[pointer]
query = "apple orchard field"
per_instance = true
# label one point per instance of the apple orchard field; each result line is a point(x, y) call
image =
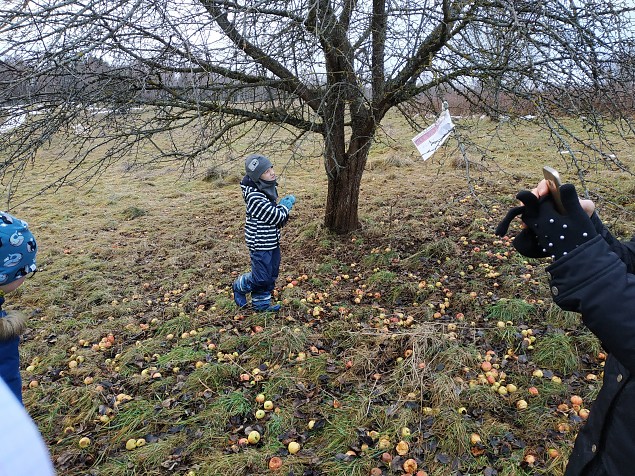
point(421, 344)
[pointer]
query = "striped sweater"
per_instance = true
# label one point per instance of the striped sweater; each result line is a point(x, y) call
point(263, 218)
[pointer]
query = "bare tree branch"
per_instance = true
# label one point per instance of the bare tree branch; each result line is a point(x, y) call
point(190, 79)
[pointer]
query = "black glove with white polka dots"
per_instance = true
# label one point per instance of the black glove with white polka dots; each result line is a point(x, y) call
point(526, 243)
point(549, 233)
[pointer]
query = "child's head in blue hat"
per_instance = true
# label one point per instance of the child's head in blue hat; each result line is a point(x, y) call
point(17, 252)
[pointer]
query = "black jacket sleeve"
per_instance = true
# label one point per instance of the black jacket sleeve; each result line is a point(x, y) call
point(595, 281)
point(625, 250)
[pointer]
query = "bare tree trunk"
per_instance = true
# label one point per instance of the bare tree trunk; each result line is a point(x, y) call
point(341, 203)
point(344, 172)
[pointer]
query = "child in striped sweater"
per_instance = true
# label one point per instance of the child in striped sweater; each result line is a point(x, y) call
point(264, 219)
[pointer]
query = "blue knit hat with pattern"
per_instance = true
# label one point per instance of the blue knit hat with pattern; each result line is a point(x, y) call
point(17, 249)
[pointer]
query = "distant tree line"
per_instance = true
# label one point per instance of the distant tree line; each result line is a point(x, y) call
point(119, 87)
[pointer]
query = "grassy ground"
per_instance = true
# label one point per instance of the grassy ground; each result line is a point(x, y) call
point(393, 343)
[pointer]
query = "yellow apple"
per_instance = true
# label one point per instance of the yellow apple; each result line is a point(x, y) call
point(253, 437)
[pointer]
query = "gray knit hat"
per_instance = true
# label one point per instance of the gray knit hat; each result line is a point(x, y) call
point(256, 165)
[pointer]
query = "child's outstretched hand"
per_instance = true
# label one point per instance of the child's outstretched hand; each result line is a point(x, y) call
point(287, 201)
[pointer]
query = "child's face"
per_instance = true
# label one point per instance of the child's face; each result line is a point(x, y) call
point(7, 288)
point(268, 174)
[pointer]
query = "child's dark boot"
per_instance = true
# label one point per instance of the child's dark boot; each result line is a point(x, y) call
point(241, 287)
point(262, 303)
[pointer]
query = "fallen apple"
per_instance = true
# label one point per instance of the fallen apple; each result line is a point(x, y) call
point(131, 444)
point(384, 443)
point(410, 466)
point(275, 463)
point(84, 442)
point(253, 437)
point(268, 405)
point(293, 447)
point(402, 448)
point(260, 414)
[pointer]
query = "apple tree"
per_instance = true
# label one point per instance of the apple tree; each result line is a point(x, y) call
point(116, 75)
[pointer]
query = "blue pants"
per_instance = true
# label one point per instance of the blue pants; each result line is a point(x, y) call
point(265, 266)
point(10, 365)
